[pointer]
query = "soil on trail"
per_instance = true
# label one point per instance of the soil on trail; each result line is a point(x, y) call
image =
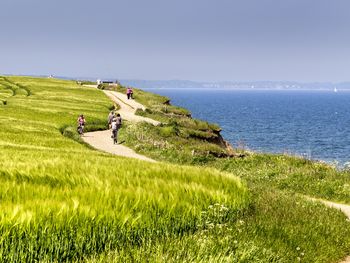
point(101, 140)
point(128, 107)
point(344, 208)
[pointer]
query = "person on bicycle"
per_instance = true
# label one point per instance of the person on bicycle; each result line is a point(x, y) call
point(81, 123)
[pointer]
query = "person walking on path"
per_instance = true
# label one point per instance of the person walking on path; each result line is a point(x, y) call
point(111, 116)
point(129, 93)
point(116, 125)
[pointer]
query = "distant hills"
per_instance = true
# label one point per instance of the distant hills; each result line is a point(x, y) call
point(258, 85)
point(239, 85)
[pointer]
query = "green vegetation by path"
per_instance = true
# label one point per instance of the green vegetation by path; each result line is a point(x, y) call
point(61, 201)
point(281, 218)
point(291, 174)
point(191, 140)
point(280, 228)
point(174, 143)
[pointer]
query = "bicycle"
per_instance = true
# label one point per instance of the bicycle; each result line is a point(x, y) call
point(80, 129)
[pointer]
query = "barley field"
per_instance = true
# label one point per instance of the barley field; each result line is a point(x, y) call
point(61, 201)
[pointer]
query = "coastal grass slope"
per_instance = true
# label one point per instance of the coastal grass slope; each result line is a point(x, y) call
point(282, 225)
point(62, 201)
point(185, 140)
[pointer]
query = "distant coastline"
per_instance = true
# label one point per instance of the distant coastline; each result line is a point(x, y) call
point(231, 85)
point(224, 85)
point(246, 89)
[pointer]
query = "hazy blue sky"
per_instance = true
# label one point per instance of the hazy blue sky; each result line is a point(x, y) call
point(302, 40)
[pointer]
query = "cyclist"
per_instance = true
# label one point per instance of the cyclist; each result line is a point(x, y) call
point(81, 123)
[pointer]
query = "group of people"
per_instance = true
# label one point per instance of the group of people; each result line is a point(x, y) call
point(114, 123)
point(114, 120)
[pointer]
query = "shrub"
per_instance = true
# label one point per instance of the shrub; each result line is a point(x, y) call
point(168, 131)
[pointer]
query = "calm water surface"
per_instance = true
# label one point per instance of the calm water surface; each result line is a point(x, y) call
point(314, 124)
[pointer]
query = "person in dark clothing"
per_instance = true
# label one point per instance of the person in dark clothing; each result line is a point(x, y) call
point(129, 93)
point(116, 125)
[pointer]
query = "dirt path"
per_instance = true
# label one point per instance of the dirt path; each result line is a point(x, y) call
point(128, 107)
point(346, 260)
point(344, 208)
point(101, 140)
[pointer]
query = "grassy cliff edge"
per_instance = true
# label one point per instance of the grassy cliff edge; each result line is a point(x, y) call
point(62, 201)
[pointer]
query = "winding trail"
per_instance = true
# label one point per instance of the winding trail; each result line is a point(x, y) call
point(344, 208)
point(101, 140)
point(129, 107)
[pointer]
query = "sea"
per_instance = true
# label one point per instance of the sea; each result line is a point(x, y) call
point(312, 124)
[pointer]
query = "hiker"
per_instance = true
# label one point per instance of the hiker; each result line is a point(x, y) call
point(111, 116)
point(81, 123)
point(116, 125)
point(129, 93)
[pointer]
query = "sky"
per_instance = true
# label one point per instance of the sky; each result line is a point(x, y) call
point(200, 40)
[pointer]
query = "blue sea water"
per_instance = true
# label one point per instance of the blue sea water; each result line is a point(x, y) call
point(313, 124)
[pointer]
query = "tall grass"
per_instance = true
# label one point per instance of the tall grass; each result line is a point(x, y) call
point(62, 201)
point(281, 226)
point(292, 174)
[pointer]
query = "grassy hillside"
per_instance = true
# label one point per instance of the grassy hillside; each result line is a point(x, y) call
point(62, 201)
point(281, 218)
point(172, 142)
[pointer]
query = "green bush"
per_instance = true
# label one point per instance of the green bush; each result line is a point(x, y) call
point(168, 131)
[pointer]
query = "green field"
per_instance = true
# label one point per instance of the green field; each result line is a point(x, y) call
point(62, 201)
